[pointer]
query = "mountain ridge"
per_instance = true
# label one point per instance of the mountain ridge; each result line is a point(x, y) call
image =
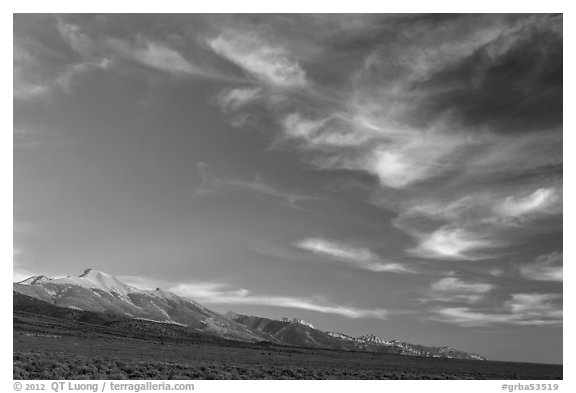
point(366, 342)
point(100, 292)
point(96, 291)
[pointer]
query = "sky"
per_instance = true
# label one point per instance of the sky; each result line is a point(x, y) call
point(399, 175)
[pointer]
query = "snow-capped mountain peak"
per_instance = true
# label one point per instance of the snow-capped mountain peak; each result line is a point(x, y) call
point(97, 291)
point(95, 279)
point(35, 280)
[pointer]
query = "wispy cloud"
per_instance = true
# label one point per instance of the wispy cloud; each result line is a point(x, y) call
point(220, 293)
point(443, 143)
point(144, 50)
point(31, 80)
point(453, 289)
point(19, 270)
point(477, 224)
point(79, 41)
point(210, 185)
point(404, 157)
point(155, 55)
point(64, 80)
point(537, 202)
point(451, 243)
point(322, 134)
point(233, 99)
point(361, 258)
point(235, 102)
point(269, 64)
point(546, 267)
point(27, 138)
point(354, 138)
point(501, 207)
point(28, 80)
point(453, 123)
point(523, 309)
point(25, 90)
point(23, 137)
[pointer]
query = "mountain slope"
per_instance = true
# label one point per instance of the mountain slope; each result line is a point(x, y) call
point(100, 292)
point(292, 333)
point(295, 333)
point(35, 315)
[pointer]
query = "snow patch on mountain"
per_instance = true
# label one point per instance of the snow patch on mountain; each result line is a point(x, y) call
point(170, 322)
point(34, 280)
point(296, 320)
point(342, 336)
point(49, 291)
point(97, 291)
point(94, 279)
point(373, 339)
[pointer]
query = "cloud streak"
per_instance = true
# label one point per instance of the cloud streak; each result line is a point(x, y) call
point(271, 65)
point(451, 243)
point(31, 81)
point(65, 79)
point(88, 48)
point(220, 293)
point(522, 309)
point(546, 267)
point(361, 258)
point(231, 100)
point(537, 202)
point(28, 80)
point(406, 123)
point(143, 50)
point(157, 56)
point(210, 185)
point(452, 289)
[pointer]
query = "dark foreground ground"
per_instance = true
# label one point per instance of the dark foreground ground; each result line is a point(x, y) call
point(51, 348)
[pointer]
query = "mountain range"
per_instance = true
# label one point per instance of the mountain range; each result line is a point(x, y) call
point(98, 292)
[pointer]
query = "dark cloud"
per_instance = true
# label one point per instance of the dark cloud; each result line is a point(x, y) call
point(511, 84)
